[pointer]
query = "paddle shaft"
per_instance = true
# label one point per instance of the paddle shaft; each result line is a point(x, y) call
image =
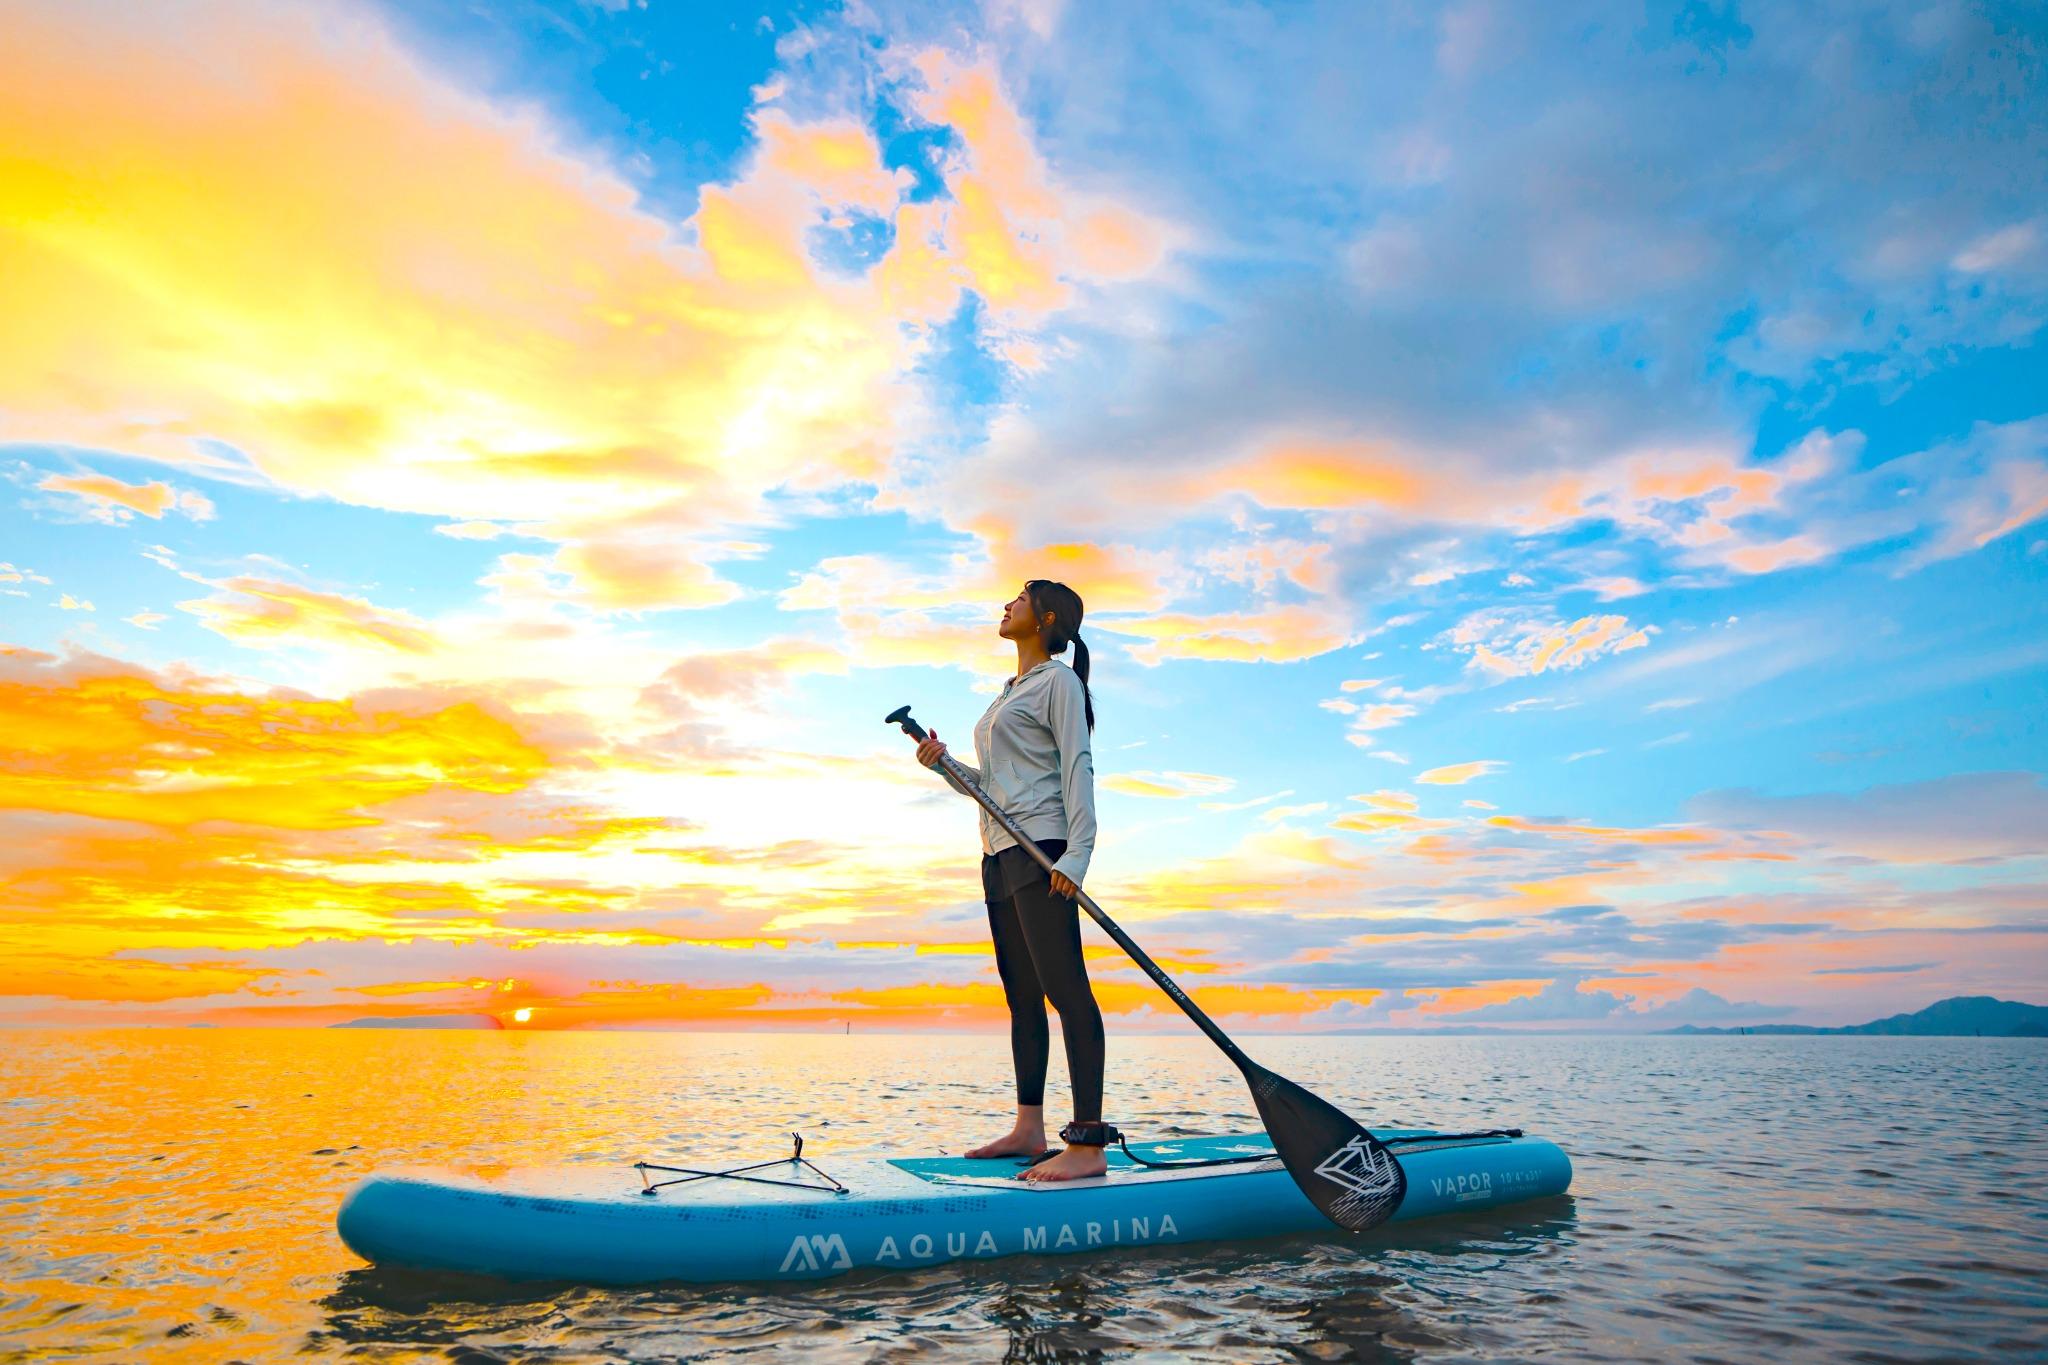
point(1095, 912)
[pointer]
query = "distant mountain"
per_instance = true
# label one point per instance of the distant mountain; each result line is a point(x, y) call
point(426, 1021)
point(1957, 1016)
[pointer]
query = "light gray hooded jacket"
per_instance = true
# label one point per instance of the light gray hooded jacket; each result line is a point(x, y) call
point(1032, 749)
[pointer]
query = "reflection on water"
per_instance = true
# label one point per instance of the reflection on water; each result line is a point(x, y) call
point(171, 1196)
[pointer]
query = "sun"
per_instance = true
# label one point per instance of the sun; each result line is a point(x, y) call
point(520, 1016)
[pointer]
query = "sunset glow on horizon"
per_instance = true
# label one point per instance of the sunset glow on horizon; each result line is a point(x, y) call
point(1561, 502)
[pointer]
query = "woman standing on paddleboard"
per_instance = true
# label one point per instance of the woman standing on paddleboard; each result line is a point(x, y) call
point(1031, 746)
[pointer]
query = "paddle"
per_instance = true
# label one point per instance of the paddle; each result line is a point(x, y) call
point(1344, 1170)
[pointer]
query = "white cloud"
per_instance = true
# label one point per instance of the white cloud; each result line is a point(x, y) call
point(2001, 248)
point(1701, 1006)
point(1560, 1001)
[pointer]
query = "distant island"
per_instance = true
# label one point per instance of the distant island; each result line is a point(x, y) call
point(1958, 1016)
point(426, 1021)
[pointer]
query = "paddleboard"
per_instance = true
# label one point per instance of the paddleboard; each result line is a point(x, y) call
point(593, 1224)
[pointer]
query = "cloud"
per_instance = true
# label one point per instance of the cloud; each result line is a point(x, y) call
point(1701, 1006)
point(112, 741)
point(1167, 784)
point(642, 574)
point(1561, 1000)
point(1457, 774)
point(1987, 815)
point(266, 613)
point(1600, 833)
point(1274, 635)
point(1017, 238)
point(1892, 969)
point(1504, 644)
point(115, 502)
point(1611, 589)
point(1377, 716)
point(1999, 249)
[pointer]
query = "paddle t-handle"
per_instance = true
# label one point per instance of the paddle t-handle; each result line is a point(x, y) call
point(1344, 1170)
point(901, 716)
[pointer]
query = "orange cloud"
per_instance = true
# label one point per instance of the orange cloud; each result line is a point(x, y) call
point(263, 612)
point(619, 575)
point(1167, 784)
point(105, 494)
point(1321, 476)
point(837, 160)
point(1457, 774)
point(1018, 240)
point(1772, 556)
point(1600, 833)
point(113, 742)
point(1374, 822)
point(1458, 999)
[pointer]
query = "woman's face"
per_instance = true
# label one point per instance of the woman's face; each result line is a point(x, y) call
point(1017, 623)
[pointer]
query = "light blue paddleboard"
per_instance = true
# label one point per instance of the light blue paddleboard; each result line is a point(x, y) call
point(593, 1224)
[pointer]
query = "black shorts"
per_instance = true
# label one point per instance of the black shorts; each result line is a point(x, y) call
point(1005, 873)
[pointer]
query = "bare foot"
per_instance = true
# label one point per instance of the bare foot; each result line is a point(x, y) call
point(1075, 1163)
point(1012, 1143)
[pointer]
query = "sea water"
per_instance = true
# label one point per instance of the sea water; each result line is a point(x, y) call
point(170, 1196)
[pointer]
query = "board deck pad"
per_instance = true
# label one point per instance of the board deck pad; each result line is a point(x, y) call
point(1002, 1173)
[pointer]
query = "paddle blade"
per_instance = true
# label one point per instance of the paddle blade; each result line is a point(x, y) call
point(1343, 1169)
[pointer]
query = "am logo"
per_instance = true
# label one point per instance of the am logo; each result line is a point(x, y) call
point(818, 1252)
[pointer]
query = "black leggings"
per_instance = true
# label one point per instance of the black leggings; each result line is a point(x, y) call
point(1038, 954)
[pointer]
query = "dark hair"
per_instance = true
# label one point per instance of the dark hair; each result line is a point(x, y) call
point(1065, 605)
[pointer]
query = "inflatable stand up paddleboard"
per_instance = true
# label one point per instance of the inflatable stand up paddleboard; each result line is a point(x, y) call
point(787, 1220)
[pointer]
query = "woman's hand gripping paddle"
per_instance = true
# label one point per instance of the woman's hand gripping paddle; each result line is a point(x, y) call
point(1344, 1170)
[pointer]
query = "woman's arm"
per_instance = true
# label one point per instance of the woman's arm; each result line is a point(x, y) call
point(1068, 717)
point(930, 750)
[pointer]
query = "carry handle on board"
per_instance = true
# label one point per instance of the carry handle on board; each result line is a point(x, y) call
point(1344, 1170)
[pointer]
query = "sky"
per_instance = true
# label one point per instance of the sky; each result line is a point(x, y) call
point(1560, 494)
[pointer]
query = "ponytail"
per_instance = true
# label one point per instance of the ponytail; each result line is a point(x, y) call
point(1081, 670)
point(1064, 604)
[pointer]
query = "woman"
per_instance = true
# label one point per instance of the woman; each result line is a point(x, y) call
point(1032, 747)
